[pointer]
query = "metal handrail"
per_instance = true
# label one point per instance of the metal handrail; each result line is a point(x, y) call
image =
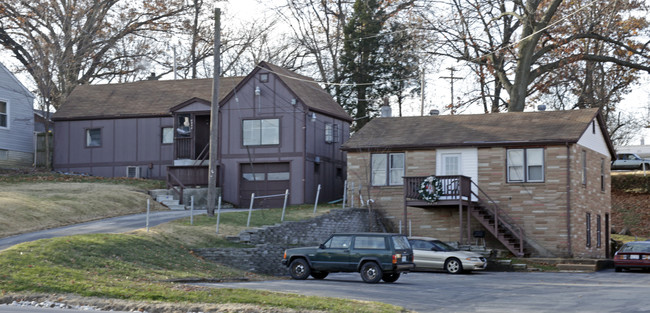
point(501, 218)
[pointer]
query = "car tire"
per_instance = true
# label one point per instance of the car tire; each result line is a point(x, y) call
point(390, 278)
point(319, 275)
point(453, 266)
point(299, 269)
point(371, 272)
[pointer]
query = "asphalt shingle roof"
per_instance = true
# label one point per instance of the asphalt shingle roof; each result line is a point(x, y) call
point(494, 129)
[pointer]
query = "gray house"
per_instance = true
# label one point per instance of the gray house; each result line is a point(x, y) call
point(277, 130)
point(16, 122)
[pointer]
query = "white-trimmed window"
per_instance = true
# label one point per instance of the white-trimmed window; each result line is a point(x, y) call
point(167, 135)
point(331, 132)
point(261, 132)
point(4, 114)
point(4, 154)
point(93, 137)
point(387, 169)
point(525, 165)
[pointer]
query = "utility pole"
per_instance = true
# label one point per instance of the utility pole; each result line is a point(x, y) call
point(452, 78)
point(214, 115)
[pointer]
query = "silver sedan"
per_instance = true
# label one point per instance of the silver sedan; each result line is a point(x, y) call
point(431, 253)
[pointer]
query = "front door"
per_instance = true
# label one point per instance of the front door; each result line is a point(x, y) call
point(334, 254)
point(202, 135)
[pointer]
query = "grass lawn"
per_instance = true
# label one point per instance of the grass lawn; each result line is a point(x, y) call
point(139, 269)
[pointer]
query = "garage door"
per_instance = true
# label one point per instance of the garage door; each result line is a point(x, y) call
point(263, 179)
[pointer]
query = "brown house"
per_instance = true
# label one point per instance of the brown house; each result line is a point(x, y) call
point(278, 130)
point(544, 177)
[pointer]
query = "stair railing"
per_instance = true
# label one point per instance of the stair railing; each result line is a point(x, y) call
point(171, 177)
point(203, 155)
point(500, 218)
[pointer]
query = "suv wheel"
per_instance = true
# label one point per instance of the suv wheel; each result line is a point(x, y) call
point(319, 275)
point(390, 278)
point(453, 266)
point(371, 272)
point(299, 269)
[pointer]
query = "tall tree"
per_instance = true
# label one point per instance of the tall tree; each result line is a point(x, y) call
point(523, 43)
point(361, 59)
point(62, 44)
point(401, 56)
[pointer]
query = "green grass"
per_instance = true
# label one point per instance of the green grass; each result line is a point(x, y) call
point(143, 266)
point(40, 177)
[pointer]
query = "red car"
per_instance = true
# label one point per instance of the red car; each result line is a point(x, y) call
point(634, 254)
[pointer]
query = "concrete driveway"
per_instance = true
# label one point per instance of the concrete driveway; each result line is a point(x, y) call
point(604, 291)
point(113, 225)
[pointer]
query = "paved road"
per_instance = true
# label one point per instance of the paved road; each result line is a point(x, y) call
point(114, 225)
point(604, 291)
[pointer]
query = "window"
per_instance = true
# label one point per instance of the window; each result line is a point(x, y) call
point(387, 169)
point(588, 231)
point(602, 174)
point(4, 154)
point(94, 137)
point(4, 114)
point(167, 135)
point(370, 242)
point(525, 165)
point(451, 164)
point(339, 242)
point(264, 77)
point(331, 133)
point(584, 167)
point(184, 125)
point(598, 233)
point(254, 176)
point(278, 176)
point(261, 132)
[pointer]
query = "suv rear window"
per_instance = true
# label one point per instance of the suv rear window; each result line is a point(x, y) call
point(401, 243)
point(370, 242)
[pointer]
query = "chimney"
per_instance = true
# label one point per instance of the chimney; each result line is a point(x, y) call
point(152, 77)
point(541, 107)
point(434, 112)
point(385, 109)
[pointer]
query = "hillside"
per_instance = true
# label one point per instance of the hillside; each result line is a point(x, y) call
point(631, 203)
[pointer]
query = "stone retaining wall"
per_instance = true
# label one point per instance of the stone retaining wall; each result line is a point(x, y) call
point(271, 241)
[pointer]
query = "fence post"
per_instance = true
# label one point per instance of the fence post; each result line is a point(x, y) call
point(192, 210)
point(284, 206)
point(317, 195)
point(218, 213)
point(147, 223)
point(250, 210)
point(345, 192)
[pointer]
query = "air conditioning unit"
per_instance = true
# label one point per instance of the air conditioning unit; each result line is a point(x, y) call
point(133, 171)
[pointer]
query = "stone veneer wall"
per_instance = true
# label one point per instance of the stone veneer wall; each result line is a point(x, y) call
point(270, 242)
point(539, 208)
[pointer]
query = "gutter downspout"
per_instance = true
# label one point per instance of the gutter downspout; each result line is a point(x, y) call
point(568, 199)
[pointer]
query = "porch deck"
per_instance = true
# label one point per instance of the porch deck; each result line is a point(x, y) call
point(455, 190)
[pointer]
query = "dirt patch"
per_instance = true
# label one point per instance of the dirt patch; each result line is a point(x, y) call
point(631, 211)
point(144, 306)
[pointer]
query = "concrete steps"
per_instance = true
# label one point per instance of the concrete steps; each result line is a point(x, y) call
point(166, 198)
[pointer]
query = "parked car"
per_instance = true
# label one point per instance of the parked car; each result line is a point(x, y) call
point(433, 254)
point(633, 254)
point(376, 256)
point(629, 161)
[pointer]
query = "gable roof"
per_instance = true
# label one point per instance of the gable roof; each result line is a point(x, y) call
point(20, 85)
point(496, 129)
point(157, 97)
point(308, 91)
point(143, 98)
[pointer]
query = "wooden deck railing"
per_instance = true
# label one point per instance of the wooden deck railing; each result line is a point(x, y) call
point(183, 148)
point(453, 187)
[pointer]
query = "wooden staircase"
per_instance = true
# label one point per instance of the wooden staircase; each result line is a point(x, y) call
point(498, 223)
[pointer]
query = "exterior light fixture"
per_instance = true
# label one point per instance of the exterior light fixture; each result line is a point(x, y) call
point(257, 91)
point(313, 116)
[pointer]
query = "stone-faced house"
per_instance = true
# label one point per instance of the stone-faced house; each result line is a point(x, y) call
point(544, 176)
point(16, 122)
point(278, 130)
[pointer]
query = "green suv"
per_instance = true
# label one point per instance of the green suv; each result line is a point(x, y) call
point(377, 256)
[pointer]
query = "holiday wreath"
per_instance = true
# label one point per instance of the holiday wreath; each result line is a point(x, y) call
point(430, 189)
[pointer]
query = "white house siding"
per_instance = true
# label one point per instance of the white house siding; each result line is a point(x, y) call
point(594, 139)
point(17, 138)
point(469, 162)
